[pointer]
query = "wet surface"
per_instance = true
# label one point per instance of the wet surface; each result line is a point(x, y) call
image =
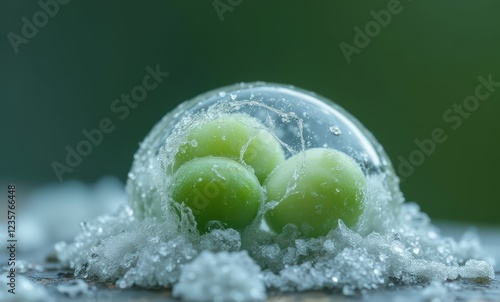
point(462, 290)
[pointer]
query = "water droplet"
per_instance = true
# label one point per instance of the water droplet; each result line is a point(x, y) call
point(233, 96)
point(335, 130)
point(193, 143)
point(222, 93)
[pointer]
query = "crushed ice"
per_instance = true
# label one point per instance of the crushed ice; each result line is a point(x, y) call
point(223, 276)
point(239, 267)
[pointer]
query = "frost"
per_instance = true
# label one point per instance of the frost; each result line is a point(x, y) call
point(160, 264)
point(157, 252)
point(475, 269)
point(221, 240)
point(151, 253)
point(221, 277)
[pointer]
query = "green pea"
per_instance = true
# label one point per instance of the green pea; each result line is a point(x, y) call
point(236, 136)
point(216, 188)
point(314, 189)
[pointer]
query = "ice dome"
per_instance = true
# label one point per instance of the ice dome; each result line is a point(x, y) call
point(299, 119)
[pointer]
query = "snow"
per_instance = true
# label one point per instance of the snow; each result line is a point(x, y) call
point(221, 277)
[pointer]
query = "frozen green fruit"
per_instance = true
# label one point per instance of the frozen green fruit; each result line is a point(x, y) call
point(236, 136)
point(314, 189)
point(220, 189)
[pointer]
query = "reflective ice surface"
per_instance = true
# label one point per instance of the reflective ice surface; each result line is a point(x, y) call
point(153, 242)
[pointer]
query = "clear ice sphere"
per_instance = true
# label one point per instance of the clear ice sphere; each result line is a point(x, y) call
point(300, 119)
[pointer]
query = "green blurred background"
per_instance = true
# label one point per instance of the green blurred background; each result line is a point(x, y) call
point(427, 58)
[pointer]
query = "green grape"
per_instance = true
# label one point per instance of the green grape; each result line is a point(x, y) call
point(236, 136)
point(314, 189)
point(217, 188)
